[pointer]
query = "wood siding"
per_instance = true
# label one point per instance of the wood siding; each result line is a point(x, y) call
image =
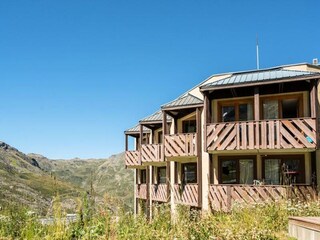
point(264, 134)
point(132, 158)
point(186, 194)
point(181, 145)
point(159, 192)
point(151, 153)
point(223, 197)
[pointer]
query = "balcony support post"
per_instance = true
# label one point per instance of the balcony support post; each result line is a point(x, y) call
point(140, 143)
point(126, 142)
point(199, 155)
point(257, 116)
point(165, 132)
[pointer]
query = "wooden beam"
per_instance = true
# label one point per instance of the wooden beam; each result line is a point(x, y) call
point(140, 143)
point(256, 104)
point(317, 113)
point(164, 132)
point(257, 116)
point(199, 156)
point(313, 93)
point(126, 142)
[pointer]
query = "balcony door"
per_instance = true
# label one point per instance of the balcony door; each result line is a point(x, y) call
point(282, 107)
point(237, 170)
point(236, 111)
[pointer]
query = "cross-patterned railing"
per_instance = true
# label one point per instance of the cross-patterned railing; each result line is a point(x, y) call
point(222, 197)
point(181, 145)
point(264, 134)
point(132, 158)
point(159, 192)
point(186, 194)
point(151, 153)
point(141, 191)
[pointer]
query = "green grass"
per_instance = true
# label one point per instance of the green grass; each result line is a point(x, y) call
point(261, 222)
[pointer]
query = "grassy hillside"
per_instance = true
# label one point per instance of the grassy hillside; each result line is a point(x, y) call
point(33, 180)
point(23, 182)
point(104, 176)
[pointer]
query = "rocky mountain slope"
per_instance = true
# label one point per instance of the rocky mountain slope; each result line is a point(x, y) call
point(33, 180)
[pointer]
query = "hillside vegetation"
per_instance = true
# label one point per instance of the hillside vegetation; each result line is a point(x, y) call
point(33, 180)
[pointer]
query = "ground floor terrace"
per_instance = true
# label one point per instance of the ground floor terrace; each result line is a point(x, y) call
point(226, 180)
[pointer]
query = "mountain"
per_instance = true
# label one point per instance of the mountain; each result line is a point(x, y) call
point(103, 176)
point(33, 180)
point(23, 182)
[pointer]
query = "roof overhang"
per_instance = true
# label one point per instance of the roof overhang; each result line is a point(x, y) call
point(259, 83)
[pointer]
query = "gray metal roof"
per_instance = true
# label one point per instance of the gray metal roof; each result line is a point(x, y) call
point(187, 100)
point(136, 129)
point(156, 117)
point(258, 76)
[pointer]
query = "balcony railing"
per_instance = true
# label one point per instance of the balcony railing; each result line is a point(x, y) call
point(181, 145)
point(264, 134)
point(222, 197)
point(186, 194)
point(132, 158)
point(159, 192)
point(141, 191)
point(151, 153)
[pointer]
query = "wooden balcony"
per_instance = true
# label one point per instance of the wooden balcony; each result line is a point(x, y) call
point(151, 153)
point(186, 194)
point(264, 134)
point(132, 158)
point(159, 192)
point(223, 197)
point(141, 191)
point(181, 145)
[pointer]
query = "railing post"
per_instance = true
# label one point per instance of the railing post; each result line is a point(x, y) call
point(229, 200)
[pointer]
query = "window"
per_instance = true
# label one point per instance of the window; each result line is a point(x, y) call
point(162, 175)
point(143, 176)
point(237, 170)
point(189, 126)
point(189, 173)
point(236, 111)
point(284, 169)
point(282, 107)
point(160, 136)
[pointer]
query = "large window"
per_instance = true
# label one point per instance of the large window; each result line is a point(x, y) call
point(289, 106)
point(161, 175)
point(143, 176)
point(284, 169)
point(189, 126)
point(237, 170)
point(189, 173)
point(236, 111)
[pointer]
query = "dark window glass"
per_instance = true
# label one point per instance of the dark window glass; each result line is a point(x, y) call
point(245, 112)
point(162, 175)
point(229, 171)
point(290, 108)
point(160, 136)
point(228, 114)
point(189, 126)
point(189, 173)
point(143, 175)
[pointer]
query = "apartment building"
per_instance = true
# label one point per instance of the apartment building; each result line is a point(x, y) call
point(241, 137)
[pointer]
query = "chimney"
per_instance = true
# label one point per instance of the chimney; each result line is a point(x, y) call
point(315, 61)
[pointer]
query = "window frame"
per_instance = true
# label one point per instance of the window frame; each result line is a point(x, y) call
point(279, 98)
point(237, 159)
point(235, 104)
point(183, 172)
point(301, 157)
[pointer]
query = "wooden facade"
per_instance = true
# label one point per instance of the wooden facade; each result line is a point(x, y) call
point(224, 196)
point(263, 134)
point(181, 145)
point(254, 137)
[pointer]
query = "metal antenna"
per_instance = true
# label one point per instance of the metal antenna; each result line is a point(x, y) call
point(257, 47)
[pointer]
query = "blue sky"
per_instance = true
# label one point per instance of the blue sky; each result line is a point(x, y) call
point(75, 74)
